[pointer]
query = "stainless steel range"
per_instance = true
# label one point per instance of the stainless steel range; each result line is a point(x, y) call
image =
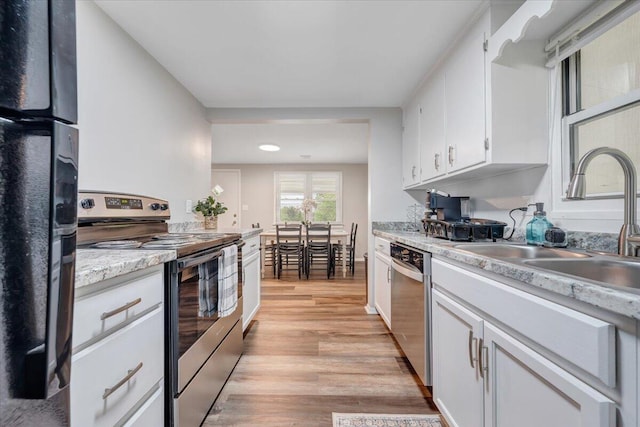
point(203, 336)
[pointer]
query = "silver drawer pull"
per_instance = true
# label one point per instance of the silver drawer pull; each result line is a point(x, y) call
point(125, 307)
point(130, 374)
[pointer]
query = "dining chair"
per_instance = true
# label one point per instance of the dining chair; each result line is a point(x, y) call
point(318, 248)
point(289, 247)
point(269, 255)
point(350, 249)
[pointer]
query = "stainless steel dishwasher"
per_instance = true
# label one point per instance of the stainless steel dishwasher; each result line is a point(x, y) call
point(411, 306)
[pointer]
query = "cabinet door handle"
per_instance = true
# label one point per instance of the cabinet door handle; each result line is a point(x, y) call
point(485, 358)
point(472, 341)
point(125, 307)
point(436, 161)
point(451, 155)
point(480, 358)
point(413, 172)
point(130, 374)
point(388, 274)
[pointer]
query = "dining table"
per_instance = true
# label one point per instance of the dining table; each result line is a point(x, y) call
point(338, 236)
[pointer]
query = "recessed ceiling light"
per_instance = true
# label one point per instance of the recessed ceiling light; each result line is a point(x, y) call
point(269, 147)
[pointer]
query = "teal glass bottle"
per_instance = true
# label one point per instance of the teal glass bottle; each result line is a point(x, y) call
point(537, 226)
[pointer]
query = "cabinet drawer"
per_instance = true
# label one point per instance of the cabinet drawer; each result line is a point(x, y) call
point(100, 392)
point(382, 245)
point(252, 244)
point(109, 308)
point(151, 413)
point(585, 341)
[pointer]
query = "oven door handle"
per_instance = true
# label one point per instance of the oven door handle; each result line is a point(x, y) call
point(202, 258)
point(197, 260)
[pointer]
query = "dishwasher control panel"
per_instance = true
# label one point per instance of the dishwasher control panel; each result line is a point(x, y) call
point(409, 256)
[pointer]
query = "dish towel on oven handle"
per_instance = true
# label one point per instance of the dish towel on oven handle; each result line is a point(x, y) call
point(228, 281)
point(207, 289)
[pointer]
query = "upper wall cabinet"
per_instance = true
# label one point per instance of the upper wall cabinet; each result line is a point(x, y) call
point(411, 145)
point(465, 100)
point(433, 162)
point(485, 108)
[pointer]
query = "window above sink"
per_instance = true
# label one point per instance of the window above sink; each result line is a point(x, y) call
point(601, 103)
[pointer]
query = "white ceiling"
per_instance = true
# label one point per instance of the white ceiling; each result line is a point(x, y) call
point(321, 142)
point(295, 53)
point(289, 54)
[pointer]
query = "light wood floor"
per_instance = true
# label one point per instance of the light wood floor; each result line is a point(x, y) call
point(312, 350)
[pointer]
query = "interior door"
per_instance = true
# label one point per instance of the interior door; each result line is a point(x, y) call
point(229, 180)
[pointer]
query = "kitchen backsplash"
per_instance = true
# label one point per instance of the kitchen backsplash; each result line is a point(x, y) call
point(396, 226)
point(182, 227)
point(604, 242)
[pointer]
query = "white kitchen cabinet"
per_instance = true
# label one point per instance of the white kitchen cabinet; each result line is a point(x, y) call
point(480, 118)
point(457, 385)
point(118, 356)
point(485, 376)
point(411, 145)
point(382, 279)
point(465, 99)
point(383, 287)
point(432, 128)
point(251, 280)
point(516, 376)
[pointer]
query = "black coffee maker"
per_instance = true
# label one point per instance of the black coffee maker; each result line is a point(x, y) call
point(447, 208)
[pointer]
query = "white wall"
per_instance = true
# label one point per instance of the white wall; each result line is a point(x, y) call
point(140, 130)
point(258, 194)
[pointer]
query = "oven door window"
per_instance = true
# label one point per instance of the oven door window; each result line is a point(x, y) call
point(197, 302)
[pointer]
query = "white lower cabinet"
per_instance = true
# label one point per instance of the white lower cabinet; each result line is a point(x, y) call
point(457, 385)
point(522, 388)
point(382, 279)
point(383, 286)
point(151, 413)
point(118, 359)
point(250, 281)
point(503, 357)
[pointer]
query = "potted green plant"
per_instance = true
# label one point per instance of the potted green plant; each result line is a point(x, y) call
point(210, 208)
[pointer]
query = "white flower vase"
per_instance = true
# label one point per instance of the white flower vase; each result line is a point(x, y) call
point(211, 222)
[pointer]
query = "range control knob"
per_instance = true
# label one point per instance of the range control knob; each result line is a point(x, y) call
point(154, 206)
point(164, 206)
point(87, 203)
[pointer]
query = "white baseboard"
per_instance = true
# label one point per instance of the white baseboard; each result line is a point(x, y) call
point(370, 310)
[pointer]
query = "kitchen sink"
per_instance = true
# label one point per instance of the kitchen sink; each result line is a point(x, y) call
point(610, 271)
point(498, 250)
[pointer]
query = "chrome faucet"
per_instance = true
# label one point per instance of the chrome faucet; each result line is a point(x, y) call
point(629, 238)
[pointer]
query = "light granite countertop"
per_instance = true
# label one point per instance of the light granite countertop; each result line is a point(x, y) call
point(96, 265)
point(608, 298)
point(245, 232)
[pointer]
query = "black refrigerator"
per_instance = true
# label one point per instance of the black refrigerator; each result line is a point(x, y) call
point(38, 219)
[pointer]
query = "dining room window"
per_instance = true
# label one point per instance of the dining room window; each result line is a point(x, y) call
point(601, 104)
point(319, 192)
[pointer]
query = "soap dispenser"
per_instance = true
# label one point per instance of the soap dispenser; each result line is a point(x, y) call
point(537, 227)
